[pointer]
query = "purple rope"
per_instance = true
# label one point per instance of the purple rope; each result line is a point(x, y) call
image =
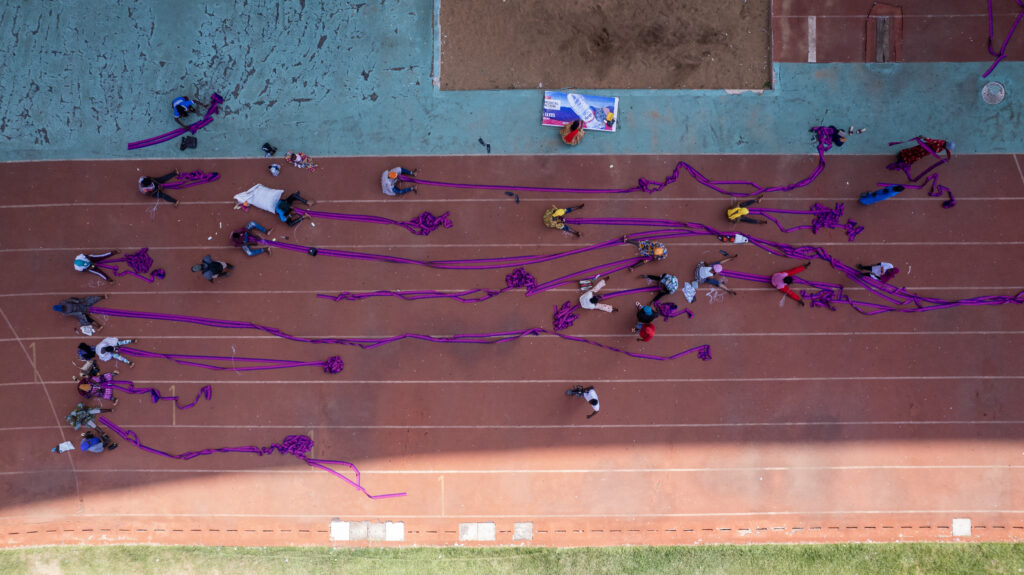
point(261, 364)
point(421, 225)
point(140, 263)
point(991, 34)
point(566, 315)
point(519, 278)
point(215, 99)
point(703, 351)
point(295, 445)
point(189, 179)
point(206, 392)
point(822, 133)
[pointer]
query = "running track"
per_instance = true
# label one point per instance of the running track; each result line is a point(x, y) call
point(807, 425)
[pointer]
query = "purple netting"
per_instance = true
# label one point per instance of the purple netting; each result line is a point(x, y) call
point(215, 99)
point(295, 445)
point(373, 342)
point(189, 179)
point(991, 34)
point(262, 364)
point(139, 262)
point(421, 225)
point(822, 133)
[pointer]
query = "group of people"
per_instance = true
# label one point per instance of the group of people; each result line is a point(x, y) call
point(90, 382)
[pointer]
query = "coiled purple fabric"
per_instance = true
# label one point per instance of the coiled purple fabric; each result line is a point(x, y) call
point(140, 262)
point(421, 225)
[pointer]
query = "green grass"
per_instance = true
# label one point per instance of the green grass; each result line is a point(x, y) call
point(842, 559)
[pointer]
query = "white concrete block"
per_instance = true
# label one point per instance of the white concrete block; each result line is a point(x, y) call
point(339, 530)
point(467, 531)
point(522, 531)
point(486, 531)
point(394, 531)
point(961, 528)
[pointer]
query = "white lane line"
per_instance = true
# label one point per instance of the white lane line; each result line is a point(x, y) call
point(31, 358)
point(486, 382)
point(357, 247)
point(1019, 171)
point(812, 38)
point(303, 471)
point(35, 518)
point(150, 337)
point(333, 290)
point(561, 426)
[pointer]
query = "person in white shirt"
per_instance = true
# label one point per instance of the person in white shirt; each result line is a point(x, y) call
point(589, 394)
point(389, 181)
point(590, 299)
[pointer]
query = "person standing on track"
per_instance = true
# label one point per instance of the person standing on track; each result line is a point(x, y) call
point(781, 281)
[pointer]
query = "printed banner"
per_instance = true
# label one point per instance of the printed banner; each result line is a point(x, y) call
point(597, 112)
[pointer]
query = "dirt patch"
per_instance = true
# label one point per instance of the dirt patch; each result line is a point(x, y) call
point(509, 44)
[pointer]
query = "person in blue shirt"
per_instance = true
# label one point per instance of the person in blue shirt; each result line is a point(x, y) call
point(183, 106)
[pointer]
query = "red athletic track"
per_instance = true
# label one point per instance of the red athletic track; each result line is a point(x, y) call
point(932, 30)
point(807, 425)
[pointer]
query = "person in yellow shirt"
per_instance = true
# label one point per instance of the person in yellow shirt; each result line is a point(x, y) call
point(554, 218)
point(738, 212)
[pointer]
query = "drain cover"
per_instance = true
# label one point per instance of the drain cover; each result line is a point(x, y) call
point(993, 93)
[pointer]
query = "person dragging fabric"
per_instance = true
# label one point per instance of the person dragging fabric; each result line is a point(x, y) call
point(667, 284)
point(92, 444)
point(882, 271)
point(107, 349)
point(782, 280)
point(78, 308)
point(591, 300)
point(286, 213)
point(245, 239)
point(588, 394)
point(649, 250)
point(96, 386)
point(153, 187)
point(211, 269)
point(87, 263)
point(389, 180)
point(82, 415)
point(554, 218)
point(738, 212)
point(182, 107)
point(705, 274)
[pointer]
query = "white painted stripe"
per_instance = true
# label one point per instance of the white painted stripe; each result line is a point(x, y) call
point(812, 38)
point(589, 427)
point(35, 518)
point(486, 382)
point(1019, 171)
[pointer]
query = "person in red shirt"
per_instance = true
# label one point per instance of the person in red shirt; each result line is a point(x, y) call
point(644, 331)
point(781, 281)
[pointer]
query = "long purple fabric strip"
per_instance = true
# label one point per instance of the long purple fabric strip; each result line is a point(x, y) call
point(421, 225)
point(822, 133)
point(331, 365)
point(991, 35)
point(936, 188)
point(294, 445)
point(215, 99)
point(703, 351)
point(189, 179)
point(206, 392)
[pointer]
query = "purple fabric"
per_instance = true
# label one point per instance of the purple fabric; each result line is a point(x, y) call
point(519, 278)
point(421, 225)
point(703, 351)
point(824, 217)
point(936, 188)
point(566, 315)
point(139, 262)
point(189, 179)
point(991, 34)
point(295, 445)
point(822, 133)
point(261, 363)
point(206, 392)
point(215, 99)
